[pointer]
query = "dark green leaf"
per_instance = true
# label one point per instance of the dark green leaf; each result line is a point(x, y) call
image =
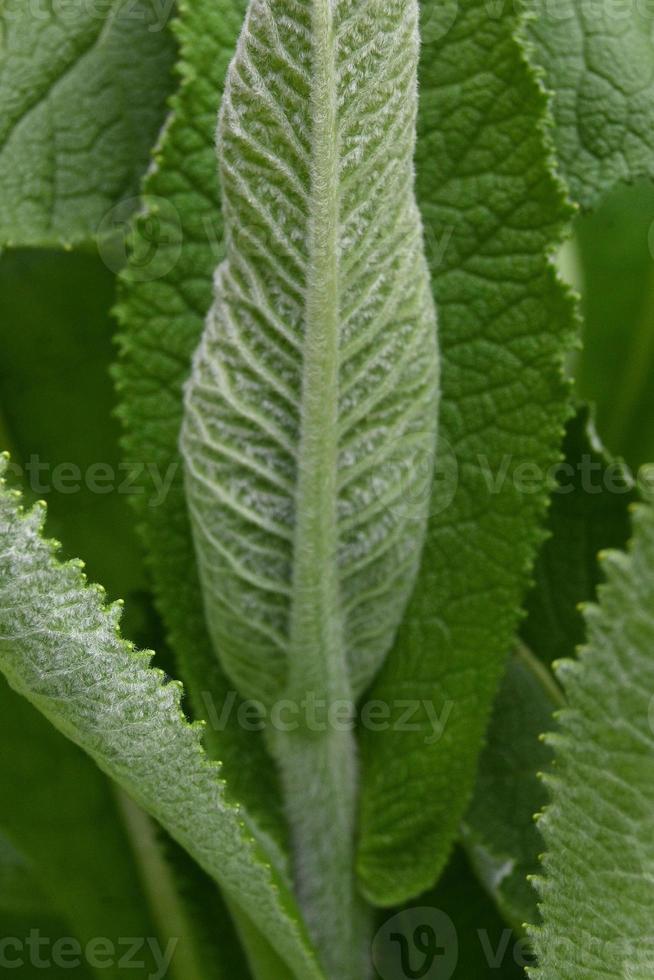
point(616, 366)
point(494, 213)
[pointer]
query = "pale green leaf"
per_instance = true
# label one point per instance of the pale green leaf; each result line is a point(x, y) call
point(312, 394)
point(493, 213)
point(60, 647)
point(83, 88)
point(315, 383)
point(162, 318)
point(597, 892)
point(598, 60)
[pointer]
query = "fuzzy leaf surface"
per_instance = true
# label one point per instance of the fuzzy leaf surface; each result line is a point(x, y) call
point(60, 648)
point(313, 390)
point(597, 890)
point(162, 320)
point(316, 381)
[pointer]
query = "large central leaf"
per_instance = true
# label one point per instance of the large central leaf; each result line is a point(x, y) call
point(315, 384)
point(311, 410)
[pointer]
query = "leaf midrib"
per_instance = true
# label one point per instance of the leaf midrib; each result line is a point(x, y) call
point(317, 659)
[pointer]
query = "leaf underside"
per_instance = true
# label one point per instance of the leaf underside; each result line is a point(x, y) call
point(315, 385)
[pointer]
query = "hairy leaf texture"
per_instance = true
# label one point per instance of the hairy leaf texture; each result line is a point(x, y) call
point(597, 892)
point(589, 512)
point(60, 647)
point(314, 390)
point(313, 393)
point(162, 320)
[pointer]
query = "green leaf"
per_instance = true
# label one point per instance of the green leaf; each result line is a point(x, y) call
point(597, 59)
point(60, 647)
point(19, 890)
point(588, 513)
point(162, 318)
point(83, 88)
point(57, 401)
point(499, 831)
point(597, 892)
point(315, 382)
point(616, 252)
point(56, 807)
point(493, 212)
point(314, 390)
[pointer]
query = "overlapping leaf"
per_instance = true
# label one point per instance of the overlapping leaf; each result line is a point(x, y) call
point(597, 892)
point(60, 647)
point(83, 88)
point(493, 211)
point(598, 60)
point(162, 319)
